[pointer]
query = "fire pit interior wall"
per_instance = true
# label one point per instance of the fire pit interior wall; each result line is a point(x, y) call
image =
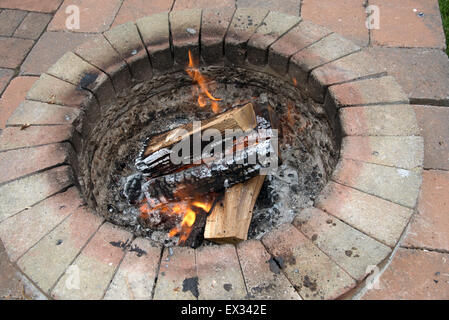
point(309, 147)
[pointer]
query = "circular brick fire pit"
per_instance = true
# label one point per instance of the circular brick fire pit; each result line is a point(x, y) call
point(325, 252)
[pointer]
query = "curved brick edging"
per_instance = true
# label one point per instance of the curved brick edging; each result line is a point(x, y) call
point(326, 251)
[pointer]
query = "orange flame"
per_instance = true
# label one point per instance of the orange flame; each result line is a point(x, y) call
point(194, 73)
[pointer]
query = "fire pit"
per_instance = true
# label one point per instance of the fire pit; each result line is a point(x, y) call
point(308, 229)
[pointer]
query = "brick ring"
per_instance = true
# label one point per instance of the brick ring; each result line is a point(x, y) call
point(327, 251)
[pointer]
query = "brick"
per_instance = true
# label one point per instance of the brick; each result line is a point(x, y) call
point(219, 274)
point(185, 28)
point(405, 281)
point(433, 123)
point(378, 218)
point(31, 5)
point(155, 31)
point(26, 161)
point(97, 263)
point(126, 40)
point(95, 16)
point(80, 73)
point(52, 90)
point(33, 25)
point(50, 47)
point(429, 226)
point(326, 50)
point(291, 7)
point(352, 250)
point(298, 38)
point(399, 152)
point(15, 138)
point(400, 186)
point(20, 194)
point(13, 51)
point(47, 261)
point(193, 4)
point(39, 113)
point(242, 27)
point(132, 10)
point(33, 224)
point(177, 278)
point(402, 26)
point(263, 278)
point(99, 52)
point(356, 66)
point(387, 120)
point(345, 17)
point(214, 25)
point(5, 76)
point(313, 274)
point(9, 21)
point(135, 278)
point(430, 68)
point(13, 96)
point(272, 28)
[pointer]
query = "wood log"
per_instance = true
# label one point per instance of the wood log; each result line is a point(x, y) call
point(230, 219)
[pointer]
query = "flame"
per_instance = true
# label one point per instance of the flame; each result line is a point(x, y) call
point(204, 94)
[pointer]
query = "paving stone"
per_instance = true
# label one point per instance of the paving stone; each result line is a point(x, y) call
point(134, 280)
point(291, 7)
point(47, 261)
point(298, 38)
point(155, 32)
point(185, 26)
point(326, 50)
point(429, 226)
point(99, 52)
point(351, 249)
point(33, 224)
point(177, 278)
point(13, 96)
point(13, 51)
point(39, 113)
point(242, 27)
point(96, 263)
point(33, 25)
point(9, 21)
point(413, 275)
point(313, 274)
point(15, 138)
point(263, 278)
point(5, 76)
point(355, 66)
point(214, 25)
point(95, 15)
point(378, 218)
point(25, 161)
point(50, 47)
point(433, 122)
point(31, 5)
point(272, 28)
point(219, 274)
point(382, 120)
point(399, 152)
point(80, 73)
point(429, 67)
point(131, 10)
point(126, 40)
point(402, 25)
point(193, 4)
point(345, 17)
point(20, 194)
point(52, 90)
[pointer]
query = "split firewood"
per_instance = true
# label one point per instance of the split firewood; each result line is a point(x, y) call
point(230, 219)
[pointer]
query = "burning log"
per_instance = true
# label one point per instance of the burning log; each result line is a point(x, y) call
point(230, 219)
